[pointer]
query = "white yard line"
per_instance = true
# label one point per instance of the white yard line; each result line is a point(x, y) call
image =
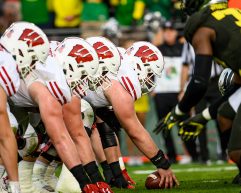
point(198, 169)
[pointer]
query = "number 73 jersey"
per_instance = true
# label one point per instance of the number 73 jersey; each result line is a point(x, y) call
point(226, 22)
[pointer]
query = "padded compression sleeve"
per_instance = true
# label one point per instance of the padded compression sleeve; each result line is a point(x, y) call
point(198, 85)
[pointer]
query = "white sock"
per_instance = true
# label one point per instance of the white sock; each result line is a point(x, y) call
point(122, 165)
point(2, 170)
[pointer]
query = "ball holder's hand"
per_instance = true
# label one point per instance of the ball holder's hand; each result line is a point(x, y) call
point(192, 127)
point(168, 178)
point(168, 122)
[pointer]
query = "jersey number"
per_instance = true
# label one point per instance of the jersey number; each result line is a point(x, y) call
point(219, 15)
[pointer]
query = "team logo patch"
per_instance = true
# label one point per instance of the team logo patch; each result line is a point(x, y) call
point(81, 54)
point(31, 38)
point(146, 54)
point(102, 50)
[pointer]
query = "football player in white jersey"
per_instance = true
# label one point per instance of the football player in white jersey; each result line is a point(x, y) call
point(4, 187)
point(80, 63)
point(43, 85)
point(126, 85)
point(108, 54)
point(14, 61)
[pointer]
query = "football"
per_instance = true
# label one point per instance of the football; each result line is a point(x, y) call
point(153, 181)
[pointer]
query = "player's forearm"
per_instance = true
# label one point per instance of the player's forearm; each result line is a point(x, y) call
point(198, 84)
point(140, 137)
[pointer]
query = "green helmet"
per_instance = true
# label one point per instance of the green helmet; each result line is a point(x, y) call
point(192, 6)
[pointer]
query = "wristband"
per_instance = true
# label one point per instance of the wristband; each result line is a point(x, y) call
point(206, 114)
point(160, 161)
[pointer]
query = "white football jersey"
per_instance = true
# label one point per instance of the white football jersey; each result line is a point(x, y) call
point(128, 79)
point(49, 74)
point(9, 77)
point(56, 81)
point(22, 97)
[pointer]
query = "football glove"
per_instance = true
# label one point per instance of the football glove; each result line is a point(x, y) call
point(192, 127)
point(167, 123)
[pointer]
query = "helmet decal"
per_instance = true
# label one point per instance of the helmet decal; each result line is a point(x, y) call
point(81, 54)
point(31, 37)
point(102, 50)
point(146, 54)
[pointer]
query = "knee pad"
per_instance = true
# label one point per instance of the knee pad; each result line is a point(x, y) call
point(107, 135)
point(108, 116)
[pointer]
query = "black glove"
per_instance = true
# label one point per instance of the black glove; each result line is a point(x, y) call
point(167, 123)
point(192, 127)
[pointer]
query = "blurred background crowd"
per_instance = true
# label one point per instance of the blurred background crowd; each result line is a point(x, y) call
point(125, 21)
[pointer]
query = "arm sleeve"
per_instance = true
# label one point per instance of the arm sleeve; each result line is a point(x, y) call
point(198, 84)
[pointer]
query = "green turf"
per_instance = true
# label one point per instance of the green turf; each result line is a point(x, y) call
point(191, 182)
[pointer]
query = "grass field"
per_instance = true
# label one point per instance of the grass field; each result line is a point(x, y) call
point(193, 178)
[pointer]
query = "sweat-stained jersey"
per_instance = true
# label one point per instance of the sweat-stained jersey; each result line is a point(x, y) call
point(226, 22)
point(127, 78)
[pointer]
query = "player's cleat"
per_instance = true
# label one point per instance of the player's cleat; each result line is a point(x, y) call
point(237, 180)
point(90, 188)
point(130, 186)
point(127, 177)
point(104, 187)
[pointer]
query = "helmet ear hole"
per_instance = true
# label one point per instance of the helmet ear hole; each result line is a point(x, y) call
point(138, 66)
point(71, 68)
point(65, 71)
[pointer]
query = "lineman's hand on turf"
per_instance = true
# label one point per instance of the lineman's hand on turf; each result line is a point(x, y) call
point(167, 123)
point(192, 127)
point(168, 178)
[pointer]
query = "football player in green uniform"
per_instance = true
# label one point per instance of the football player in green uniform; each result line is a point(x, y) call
point(214, 30)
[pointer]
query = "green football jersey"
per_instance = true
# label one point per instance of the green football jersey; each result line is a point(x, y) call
point(226, 22)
